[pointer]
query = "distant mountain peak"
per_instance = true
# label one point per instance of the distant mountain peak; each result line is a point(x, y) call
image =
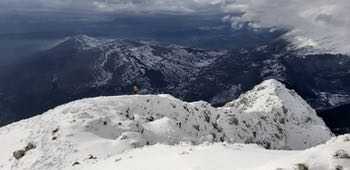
point(83, 42)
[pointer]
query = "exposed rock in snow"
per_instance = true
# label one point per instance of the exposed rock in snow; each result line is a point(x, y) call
point(87, 131)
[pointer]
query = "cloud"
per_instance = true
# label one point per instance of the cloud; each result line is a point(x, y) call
point(111, 5)
point(322, 24)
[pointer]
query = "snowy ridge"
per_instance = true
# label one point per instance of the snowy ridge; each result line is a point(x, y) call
point(87, 131)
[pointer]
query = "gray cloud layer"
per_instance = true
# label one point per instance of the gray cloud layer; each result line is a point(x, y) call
point(322, 24)
point(110, 5)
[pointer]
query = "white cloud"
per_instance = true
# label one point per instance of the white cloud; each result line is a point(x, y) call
point(323, 24)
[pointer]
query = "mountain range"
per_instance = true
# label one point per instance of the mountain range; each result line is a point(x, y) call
point(82, 66)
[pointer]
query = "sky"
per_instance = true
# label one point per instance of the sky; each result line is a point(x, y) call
point(321, 24)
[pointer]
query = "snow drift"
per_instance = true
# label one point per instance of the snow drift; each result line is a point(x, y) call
point(223, 156)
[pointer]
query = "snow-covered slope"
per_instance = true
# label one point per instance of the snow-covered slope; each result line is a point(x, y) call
point(221, 156)
point(90, 130)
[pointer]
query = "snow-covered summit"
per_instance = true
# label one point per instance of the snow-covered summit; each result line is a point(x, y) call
point(287, 110)
point(90, 130)
point(267, 96)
